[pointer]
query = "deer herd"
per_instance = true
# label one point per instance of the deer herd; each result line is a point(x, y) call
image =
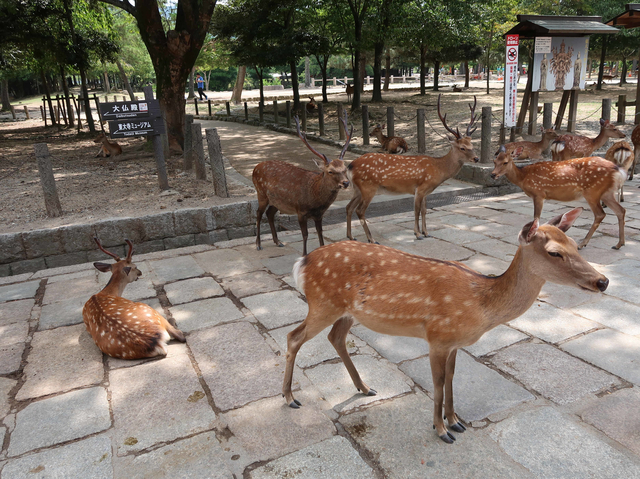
point(390, 291)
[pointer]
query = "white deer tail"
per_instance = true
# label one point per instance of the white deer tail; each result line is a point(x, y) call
point(624, 158)
point(557, 146)
point(298, 273)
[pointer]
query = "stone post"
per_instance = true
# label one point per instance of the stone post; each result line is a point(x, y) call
point(422, 144)
point(187, 157)
point(51, 200)
point(485, 141)
point(198, 150)
point(218, 175)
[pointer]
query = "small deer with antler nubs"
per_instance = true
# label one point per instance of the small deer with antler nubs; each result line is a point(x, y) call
point(444, 302)
point(532, 149)
point(291, 190)
point(577, 146)
point(108, 148)
point(393, 144)
point(122, 328)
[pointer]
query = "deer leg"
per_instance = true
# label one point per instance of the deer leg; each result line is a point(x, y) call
point(599, 215)
point(262, 205)
point(318, 223)
point(423, 213)
point(538, 202)
point(271, 213)
point(449, 414)
point(360, 211)
point(355, 202)
point(305, 234)
point(438, 360)
point(338, 338)
point(418, 202)
point(610, 200)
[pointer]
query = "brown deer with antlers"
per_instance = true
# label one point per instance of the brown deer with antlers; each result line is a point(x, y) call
point(420, 175)
point(594, 178)
point(444, 302)
point(393, 144)
point(291, 190)
point(621, 154)
point(532, 149)
point(566, 147)
point(121, 328)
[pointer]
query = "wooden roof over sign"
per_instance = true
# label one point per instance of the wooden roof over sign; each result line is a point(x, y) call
point(630, 18)
point(532, 26)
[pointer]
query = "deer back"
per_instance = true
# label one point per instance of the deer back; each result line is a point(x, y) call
point(579, 146)
point(532, 149)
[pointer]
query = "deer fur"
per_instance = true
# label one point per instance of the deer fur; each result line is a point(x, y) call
point(532, 149)
point(108, 148)
point(311, 106)
point(621, 154)
point(349, 92)
point(568, 146)
point(635, 140)
point(444, 302)
point(393, 144)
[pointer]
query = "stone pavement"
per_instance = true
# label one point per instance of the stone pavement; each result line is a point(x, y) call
point(554, 393)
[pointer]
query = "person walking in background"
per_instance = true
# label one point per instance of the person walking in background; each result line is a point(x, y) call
point(200, 82)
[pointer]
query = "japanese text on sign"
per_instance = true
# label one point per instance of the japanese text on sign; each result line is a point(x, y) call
point(511, 81)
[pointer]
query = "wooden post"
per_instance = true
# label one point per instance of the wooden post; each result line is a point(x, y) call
point(573, 109)
point(303, 120)
point(246, 111)
point(622, 108)
point(422, 144)
point(218, 175)
point(561, 109)
point(43, 109)
point(77, 105)
point(209, 104)
point(228, 105)
point(288, 113)
point(533, 113)
point(321, 118)
point(61, 109)
point(547, 116)
point(195, 102)
point(365, 124)
point(55, 109)
point(342, 133)
point(503, 134)
point(261, 112)
point(276, 119)
point(187, 157)
point(158, 149)
point(48, 182)
point(606, 109)
point(512, 134)
point(485, 139)
point(13, 112)
point(198, 150)
point(390, 122)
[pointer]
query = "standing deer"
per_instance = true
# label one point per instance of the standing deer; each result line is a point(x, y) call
point(349, 92)
point(635, 139)
point(292, 190)
point(420, 175)
point(445, 302)
point(108, 148)
point(392, 144)
point(621, 154)
point(577, 146)
point(532, 149)
point(121, 328)
point(594, 178)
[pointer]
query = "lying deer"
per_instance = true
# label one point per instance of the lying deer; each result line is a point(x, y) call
point(392, 144)
point(291, 190)
point(108, 148)
point(445, 302)
point(121, 328)
point(311, 106)
point(621, 154)
point(532, 149)
point(349, 92)
point(594, 178)
point(577, 146)
point(420, 175)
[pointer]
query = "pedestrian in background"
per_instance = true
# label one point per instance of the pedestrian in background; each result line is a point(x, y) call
point(200, 82)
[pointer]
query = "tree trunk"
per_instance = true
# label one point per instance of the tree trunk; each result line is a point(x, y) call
point(377, 72)
point(207, 77)
point(466, 74)
point(236, 96)
point(436, 75)
point(259, 73)
point(294, 84)
point(4, 93)
point(47, 92)
point(65, 87)
point(323, 66)
point(107, 85)
point(192, 93)
point(87, 102)
point(623, 72)
point(488, 58)
point(387, 68)
point(363, 70)
point(125, 80)
point(423, 70)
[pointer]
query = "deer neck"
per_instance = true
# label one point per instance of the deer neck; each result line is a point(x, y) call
point(450, 164)
point(600, 140)
point(381, 138)
point(323, 187)
point(115, 286)
point(544, 142)
point(515, 175)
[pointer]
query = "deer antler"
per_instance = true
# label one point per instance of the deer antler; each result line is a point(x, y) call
point(114, 256)
point(474, 118)
point(443, 119)
point(303, 137)
point(130, 253)
point(344, 148)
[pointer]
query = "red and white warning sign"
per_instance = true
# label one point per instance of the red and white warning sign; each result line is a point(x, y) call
point(511, 81)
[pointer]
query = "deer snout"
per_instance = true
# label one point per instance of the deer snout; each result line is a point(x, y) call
point(602, 284)
point(345, 184)
point(476, 159)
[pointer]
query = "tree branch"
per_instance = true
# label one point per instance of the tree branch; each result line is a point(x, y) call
point(123, 4)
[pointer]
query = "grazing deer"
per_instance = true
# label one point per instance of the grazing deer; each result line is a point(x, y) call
point(577, 146)
point(532, 149)
point(445, 302)
point(108, 148)
point(420, 175)
point(594, 178)
point(311, 106)
point(621, 154)
point(121, 328)
point(291, 190)
point(635, 139)
point(349, 92)
point(392, 144)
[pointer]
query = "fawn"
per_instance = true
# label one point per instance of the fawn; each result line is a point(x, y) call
point(532, 149)
point(392, 144)
point(108, 148)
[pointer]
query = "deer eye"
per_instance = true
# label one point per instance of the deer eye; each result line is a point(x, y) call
point(554, 254)
point(505, 163)
point(462, 148)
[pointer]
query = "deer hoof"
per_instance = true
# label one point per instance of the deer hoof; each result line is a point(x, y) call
point(295, 404)
point(447, 437)
point(280, 245)
point(372, 392)
point(259, 248)
point(618, 246)
point(458, 427)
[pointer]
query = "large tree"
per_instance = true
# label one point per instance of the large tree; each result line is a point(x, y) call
point(173, 52)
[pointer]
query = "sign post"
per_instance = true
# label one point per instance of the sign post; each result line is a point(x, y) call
point(511, 81)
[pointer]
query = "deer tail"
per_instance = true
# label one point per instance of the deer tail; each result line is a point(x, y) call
point(298, 273)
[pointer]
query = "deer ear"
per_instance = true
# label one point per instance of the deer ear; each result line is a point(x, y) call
point(602, 121)
point(127, 270)
point(102, 267)
point(517, 152)
point(319, 164)
point(528, 232)
point(565, 221)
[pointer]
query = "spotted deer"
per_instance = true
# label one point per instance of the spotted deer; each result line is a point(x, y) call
point(444, 302)
point(418, 175)
point(108, 148)
point(577, 146)
point(122, 328)
point(392, 144)
point(291, 190)
point(621, 154)
point(594, 178)
point(532, 149)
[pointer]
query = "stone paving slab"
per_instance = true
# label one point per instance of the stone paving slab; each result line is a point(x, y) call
point(496, 248)
point(237, 364)
point(199, 456)
point(251, 283)
point(61, 359)
point(172, 269)
point(617, 416)
point(14, 333)
point(334, 458)
point(226, 262)
point(15, 311)
point(11, 357)
point(612, 313)
point(83, 287)
point(398, 434)
point(87, 458)
point(395, 348)
point(438, 249)
point(61, 418)
point(457, 236)
point(486, 265)
point(19, 291)
point(157, 402)
point(566, 296)
point(625, 290)
point(204, 314)
point(277, 309)
point(552, 373)
point(583, 453)
point(174, 348)
point(495, 339)
point(478, 390)
point(192, 289)
point(610, 350)
point(6, 385)
point(63, 313)
point(281, 264)
point(139, 290)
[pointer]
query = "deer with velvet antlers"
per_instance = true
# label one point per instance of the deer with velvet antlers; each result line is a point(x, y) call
point(532, 149)
point(566, 147)
point(444, 302)
point(122, 328)
point(420, 175)
point(291, 190)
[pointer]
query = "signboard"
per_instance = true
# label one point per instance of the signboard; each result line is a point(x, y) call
point(136, 127)
point(563, 67)
point(543, 45)
point(511, 81)
point(133, 118)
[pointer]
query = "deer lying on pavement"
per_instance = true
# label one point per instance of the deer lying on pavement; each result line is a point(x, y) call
point(577, 146)
point(289, 189)
point(445, 302)
point(532, 149)
point(392, 144)
point(108, 148)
